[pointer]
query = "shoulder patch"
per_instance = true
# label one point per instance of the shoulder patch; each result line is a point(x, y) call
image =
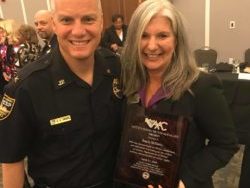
point(6, 106)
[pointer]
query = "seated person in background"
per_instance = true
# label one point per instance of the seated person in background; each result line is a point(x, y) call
point(115, 35)
point(44, 29)
point(28, 49)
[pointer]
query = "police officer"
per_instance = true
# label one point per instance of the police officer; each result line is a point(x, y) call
point(63, 111)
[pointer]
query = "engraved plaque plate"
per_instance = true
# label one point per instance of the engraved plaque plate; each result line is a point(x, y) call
point(150, 150)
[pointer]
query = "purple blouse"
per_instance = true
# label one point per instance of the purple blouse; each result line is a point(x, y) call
point(159, 94)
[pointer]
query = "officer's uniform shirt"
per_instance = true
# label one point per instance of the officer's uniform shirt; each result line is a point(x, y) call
point(69, 130)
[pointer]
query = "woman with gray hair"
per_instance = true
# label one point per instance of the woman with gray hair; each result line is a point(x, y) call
point(176, 118)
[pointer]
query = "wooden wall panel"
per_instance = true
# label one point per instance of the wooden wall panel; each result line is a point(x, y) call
point(110, 7)
point(124, 7)
point(128, 7)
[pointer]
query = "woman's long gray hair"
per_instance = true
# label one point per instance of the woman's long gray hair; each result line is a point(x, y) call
point(181, 72)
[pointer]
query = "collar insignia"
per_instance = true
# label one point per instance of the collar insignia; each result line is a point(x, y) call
point(117, 88)
point(61, 82)
point(6, 106)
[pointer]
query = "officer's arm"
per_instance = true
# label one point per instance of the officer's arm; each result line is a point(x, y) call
point(13, 175)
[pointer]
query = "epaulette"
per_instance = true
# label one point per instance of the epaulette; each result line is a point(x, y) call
point(105, 52)
point(113, 60)
point(25, 72)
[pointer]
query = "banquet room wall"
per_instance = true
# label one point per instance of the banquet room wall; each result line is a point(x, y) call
point(124, 7)
point(229, 43)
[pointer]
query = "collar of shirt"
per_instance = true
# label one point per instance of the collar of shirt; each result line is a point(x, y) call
point(160, 94)
point(63, 76)
point(53, 41)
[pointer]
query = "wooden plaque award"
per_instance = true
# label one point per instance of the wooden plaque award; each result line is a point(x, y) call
point(150, 150)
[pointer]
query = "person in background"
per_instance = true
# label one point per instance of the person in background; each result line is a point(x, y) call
point(160, 78)
point(3, 35)
point(114, 36)
point(28, 47)
point(63, 112)
point(8, 56)
point(44, 28)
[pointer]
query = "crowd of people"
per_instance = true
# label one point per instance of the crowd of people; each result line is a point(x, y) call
point(20, 44)
point(71, 102)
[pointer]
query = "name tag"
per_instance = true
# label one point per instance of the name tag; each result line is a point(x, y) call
point(60, 120)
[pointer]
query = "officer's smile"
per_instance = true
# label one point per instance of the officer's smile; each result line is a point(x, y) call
point(79, 43)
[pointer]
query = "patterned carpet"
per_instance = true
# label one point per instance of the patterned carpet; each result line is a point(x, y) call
point(227, 177)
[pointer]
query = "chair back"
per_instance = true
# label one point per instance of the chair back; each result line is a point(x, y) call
point(205, 56)
point(247, 56)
